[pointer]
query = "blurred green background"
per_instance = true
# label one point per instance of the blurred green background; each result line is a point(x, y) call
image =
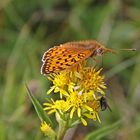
point(28, 28)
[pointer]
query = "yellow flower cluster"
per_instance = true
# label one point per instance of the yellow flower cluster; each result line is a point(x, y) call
point(80, 93)
point(47, 130)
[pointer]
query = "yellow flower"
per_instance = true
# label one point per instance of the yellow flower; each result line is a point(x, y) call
point(77, 103)
point(47, 130)
point(78, 90)
point(84, 122)
point(60, 82)
point(93, 115)
point(90, 79)
point(61, 79)
point(95, 105)
point(58, 105)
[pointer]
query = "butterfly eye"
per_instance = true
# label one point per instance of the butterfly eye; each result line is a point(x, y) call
point(99, 51)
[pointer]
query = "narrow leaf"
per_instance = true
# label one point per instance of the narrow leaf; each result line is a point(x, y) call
point(102, 132)
point(39, 109)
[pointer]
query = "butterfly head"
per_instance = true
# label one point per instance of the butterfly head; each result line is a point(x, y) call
point(100, 50)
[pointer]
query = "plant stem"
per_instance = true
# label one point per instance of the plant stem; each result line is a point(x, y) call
point(63, 126)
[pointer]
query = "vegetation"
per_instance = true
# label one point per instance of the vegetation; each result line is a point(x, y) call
point(29, 28)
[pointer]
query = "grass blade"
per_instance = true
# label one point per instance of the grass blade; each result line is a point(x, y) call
point(41, 113)
point(100, 133)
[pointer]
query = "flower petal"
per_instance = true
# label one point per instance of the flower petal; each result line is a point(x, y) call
point(83, 121)
point(51, 89)
point(79, 112)
point(72, 111)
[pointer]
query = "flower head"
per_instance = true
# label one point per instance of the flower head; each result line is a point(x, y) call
point(47, 130)
point(60, 83)
point(80, 91)
point(76, 103)
point(58, 105)
point(90, 79)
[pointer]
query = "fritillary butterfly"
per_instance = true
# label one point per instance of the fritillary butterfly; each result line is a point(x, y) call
point(68, 54)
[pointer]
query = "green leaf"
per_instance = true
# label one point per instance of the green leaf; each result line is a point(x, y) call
point(102, 132)
point(41, 113)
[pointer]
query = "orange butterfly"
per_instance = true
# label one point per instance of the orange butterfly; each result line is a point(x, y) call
point(68, 54)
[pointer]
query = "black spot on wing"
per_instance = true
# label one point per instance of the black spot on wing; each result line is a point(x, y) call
point(73, 60)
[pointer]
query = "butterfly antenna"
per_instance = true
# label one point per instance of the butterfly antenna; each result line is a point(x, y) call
point(107, 50)
point(127, 49)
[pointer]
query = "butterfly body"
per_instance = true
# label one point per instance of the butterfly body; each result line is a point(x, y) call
point(69, 54)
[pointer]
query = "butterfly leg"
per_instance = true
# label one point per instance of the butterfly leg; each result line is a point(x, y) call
point(96, 61)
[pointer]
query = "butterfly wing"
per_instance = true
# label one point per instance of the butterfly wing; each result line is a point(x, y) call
point(63, 57)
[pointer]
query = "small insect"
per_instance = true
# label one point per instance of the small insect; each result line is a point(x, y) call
point(69, 54)
point(104, 105)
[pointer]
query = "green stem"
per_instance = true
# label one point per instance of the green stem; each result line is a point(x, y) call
point(63, 126)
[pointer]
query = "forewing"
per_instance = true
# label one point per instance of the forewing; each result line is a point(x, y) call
point(62, 57)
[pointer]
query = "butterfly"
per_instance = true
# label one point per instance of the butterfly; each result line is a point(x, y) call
point(68, 54)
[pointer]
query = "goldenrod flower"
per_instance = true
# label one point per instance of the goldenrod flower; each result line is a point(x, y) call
point(94, 104)
point(93, 115)
point(47, 130)
point(75, 102)
point(90, 79)
point(58, 105)
point(60, 83)
point(80, 91)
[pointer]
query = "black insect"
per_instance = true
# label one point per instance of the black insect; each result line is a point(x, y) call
point(104, 105)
